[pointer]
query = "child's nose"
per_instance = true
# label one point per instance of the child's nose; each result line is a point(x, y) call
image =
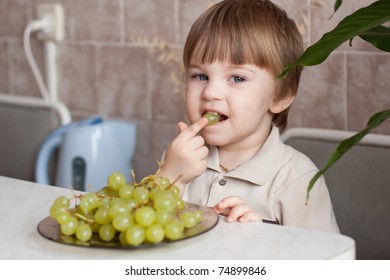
point(213, 91)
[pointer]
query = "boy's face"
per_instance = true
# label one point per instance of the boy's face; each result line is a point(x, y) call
point(241, 94)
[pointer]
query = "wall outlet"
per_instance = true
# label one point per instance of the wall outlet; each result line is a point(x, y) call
point(53, 14)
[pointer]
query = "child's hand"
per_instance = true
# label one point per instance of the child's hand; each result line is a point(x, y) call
point(186, 155)
point(235, 209)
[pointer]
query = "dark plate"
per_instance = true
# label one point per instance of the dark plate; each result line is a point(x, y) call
point(49, 228)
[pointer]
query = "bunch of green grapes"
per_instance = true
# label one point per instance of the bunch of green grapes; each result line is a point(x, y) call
point(150, 211)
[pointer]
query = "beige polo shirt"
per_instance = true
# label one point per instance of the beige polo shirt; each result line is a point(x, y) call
point(273, 183)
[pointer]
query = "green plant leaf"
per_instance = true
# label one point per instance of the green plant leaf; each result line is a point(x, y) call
point(336, 6)
point(347, 144)
point(353, 25)
point(379, 37)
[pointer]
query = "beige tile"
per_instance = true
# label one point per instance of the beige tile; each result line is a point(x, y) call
point(122, 82)
point(150, 19)
point(13, 17)
point(4, 68)
point(189, 11)
point(368, 89)
point(77, 76)
point(299, 12)
point(167, 86)
point(321, 99)
point(98, 20)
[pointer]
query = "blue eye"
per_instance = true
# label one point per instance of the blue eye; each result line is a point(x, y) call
point(237, 79)
point(200, 77)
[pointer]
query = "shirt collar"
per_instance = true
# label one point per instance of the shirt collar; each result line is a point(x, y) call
point(258, 169)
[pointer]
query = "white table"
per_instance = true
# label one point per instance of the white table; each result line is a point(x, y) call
point(24, 204)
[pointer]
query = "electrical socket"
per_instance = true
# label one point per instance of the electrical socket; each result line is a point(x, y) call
point(54, 16)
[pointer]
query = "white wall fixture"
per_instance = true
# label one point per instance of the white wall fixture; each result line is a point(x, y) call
point(50, 27)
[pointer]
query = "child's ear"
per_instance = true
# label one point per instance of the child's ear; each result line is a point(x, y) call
point(282, 104)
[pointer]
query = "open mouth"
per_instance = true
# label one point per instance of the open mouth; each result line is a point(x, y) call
point(218, 117)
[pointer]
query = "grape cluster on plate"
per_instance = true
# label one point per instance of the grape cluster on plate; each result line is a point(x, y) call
point(146, 212)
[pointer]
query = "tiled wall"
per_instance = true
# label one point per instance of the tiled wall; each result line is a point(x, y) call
point(110, 64)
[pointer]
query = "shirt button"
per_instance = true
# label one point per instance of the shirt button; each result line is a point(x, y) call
point(222, 182)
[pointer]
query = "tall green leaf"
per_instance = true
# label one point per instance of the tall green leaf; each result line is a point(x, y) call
point(379, 37)
point(347, 144)
point(336, 6)
point(355, 24)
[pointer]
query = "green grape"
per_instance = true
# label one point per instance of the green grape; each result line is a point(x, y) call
point(63, 201)
point(165, 200)
point(95, 227)
point(188, 219)
point(63, 217)
point(122, 222)
point(212, 117)
point(104, 202)
point(107, 191)
point(180, 204)
point(155, 233)
point(88, 202)
point(116, 180)
point(83, 232)
point(141, 195)
point(117, 208)
point(145, 216)
point(107, 232)
point(56, 209)
point(163, 217)
point(198, 215)
point(163, 183)
point(126, 191)
point(131, 204)
point(176, 191)
point(174, 229)
point(154, 192)
point(135, 235)
point(102, 216)
point(69, 227)
point(122, 238)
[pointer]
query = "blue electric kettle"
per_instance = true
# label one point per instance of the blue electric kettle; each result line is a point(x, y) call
point(89, 151)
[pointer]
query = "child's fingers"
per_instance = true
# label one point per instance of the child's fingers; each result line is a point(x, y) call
point(226, 204)
point(249, 217)
point(182, 126)
point(193, 129)
point(237, 212)
point(229, 202)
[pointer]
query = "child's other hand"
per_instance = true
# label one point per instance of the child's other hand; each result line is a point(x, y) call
point(186, 155)
point(235, 209)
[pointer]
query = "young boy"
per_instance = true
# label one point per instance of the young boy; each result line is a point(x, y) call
point(239, 166)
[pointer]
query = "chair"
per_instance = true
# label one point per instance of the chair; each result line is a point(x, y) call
point(359, 185)
point(24, 124)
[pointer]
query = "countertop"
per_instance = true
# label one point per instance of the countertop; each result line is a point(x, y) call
point(24, 204)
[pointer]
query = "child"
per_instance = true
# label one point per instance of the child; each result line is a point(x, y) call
point(239, 166)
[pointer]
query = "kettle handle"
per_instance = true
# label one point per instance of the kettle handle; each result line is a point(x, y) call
point(52, 142)
point(43, 159)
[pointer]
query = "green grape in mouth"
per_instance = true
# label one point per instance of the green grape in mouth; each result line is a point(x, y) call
point(150, 211)
point(212, 118)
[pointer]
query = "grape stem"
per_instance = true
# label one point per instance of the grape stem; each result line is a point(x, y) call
point(84, 218)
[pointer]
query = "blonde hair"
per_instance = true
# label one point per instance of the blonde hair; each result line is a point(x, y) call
point(254, 32)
